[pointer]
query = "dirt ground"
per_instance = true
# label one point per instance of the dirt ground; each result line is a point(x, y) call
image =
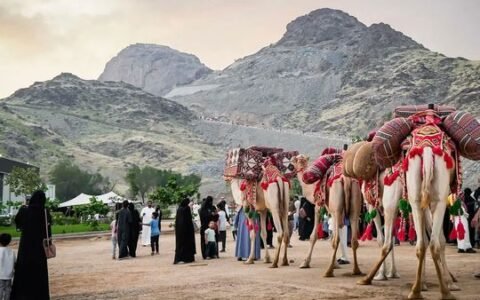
point(84, 269)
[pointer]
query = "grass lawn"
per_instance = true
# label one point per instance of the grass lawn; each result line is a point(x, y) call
point(58, 229)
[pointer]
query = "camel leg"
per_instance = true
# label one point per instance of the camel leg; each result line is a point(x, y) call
point(413, 179)
point(450, 279)
point(273, 198)
point(381, 274)
point(263, 232)
point(335, 242)
point(435, 246)
point(313, 239)
point(355, 207)
point(284, 218)
point(251, 258)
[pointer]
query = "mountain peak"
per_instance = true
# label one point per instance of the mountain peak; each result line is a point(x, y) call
point(65, 76)
point(155, 68)
point(319, 26)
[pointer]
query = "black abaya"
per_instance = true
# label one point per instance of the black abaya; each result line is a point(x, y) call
point(206, 213)
point(134, 231)
point(123, 231)
point(184, 234)
point(31, 270)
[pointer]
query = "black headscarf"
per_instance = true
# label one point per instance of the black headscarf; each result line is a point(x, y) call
point(38, 199)
point(185, 202)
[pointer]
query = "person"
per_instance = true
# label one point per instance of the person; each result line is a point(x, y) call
point(476, 224)
point(113, 228)
point(307, 216)
point(135, 227)
point(184, 234)
point(210, 241)
point(30, 280)
point(470, 209)
point(296, 215)
point(242, 246)
point(155, 232)
point(463, 245)
point(206, 213)
point(342, 232)
point(124, 222)
point(158, 210)
point(7, 263)
point(222, 225)
point(270, 229)
point(146, 215)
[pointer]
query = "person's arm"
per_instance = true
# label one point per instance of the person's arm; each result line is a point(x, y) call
point(206, 237)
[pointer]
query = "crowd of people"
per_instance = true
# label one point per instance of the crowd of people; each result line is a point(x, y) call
point(28, 269)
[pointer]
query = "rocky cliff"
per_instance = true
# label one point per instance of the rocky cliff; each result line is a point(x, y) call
point(154, 68)
point(332, 73)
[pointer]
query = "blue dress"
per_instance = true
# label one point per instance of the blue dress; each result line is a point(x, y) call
point(242, 247)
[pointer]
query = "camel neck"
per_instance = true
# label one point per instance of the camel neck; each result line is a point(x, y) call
point(307, 189)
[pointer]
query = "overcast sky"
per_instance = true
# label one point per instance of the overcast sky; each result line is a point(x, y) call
point(42, 38)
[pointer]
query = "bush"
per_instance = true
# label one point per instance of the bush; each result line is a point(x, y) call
point(60, 219)
point(5, 221)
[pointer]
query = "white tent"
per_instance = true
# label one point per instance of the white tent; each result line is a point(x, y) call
point(82, 199)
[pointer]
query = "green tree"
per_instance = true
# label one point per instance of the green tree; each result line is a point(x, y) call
point(25, 181)
point(177, 188)
point(144, 180)
point(70, 181)
point(89, 210)
point(296, 188)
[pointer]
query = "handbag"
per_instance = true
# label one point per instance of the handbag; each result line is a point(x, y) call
point(48, 246)
point(302, 213)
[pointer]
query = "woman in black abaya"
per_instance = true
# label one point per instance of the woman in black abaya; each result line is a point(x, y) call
point(31, 270)
point(184, 234)
point(207, 213)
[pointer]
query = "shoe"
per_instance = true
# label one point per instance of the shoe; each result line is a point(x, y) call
point(342, 261)
point(290, 246)
point(271, 247)
point(461, 251)
point(477, 275)
point(239, 259)
point(470, 250)
point(222, 250)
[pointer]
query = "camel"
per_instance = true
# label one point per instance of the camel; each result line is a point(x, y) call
point(271, 193)
point(344, 193)
point(389, 202)
point(429, 174)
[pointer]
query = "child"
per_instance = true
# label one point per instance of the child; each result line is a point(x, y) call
point(7, 263)
point(113, 228)
point(210, 242)
point(154, 232)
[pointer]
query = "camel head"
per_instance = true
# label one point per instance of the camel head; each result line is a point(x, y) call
point(300, 162)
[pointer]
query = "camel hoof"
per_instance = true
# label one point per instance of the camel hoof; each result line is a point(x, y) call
point(364, 281)
point(285, 263)
point(268, 260)
point(454, 287)
point(380, 277)
point(357, 273)
point(394, 275)
point(454, 279)
point(249, 262)
point(424, 287)
point(328, 274)
point(305, 265)
point(274, 266)
point(448, 296)
point(415, 295)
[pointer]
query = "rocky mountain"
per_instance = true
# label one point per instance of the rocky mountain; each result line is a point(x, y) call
point(154, 68)
point(332, 73)
point(100, 125)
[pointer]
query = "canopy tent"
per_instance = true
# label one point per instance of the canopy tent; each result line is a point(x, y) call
point(82, 199)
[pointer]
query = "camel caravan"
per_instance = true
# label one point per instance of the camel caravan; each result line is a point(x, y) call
point(411, 164)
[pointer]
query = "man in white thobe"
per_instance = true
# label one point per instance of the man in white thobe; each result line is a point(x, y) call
point(146, 215)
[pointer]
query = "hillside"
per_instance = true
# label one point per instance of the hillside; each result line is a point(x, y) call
point(330, 72)
point(100, 125)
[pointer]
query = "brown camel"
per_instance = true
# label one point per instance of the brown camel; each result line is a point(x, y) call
point(344, 198)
